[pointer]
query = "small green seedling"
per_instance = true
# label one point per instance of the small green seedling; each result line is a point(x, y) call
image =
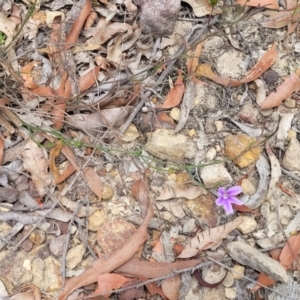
point(2, 38)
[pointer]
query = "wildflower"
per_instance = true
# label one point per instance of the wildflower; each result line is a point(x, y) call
point(226, 198)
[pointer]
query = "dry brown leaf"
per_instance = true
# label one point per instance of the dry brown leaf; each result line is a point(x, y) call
point(170, 287)
point(283, 18)
point(209, 238)
point(35, 162)
point(174, 96)
point(291, 84)
point(154, 269)
point(263, 279)
point(54, 153)
point(63, 95)
point(290, 251)
point(68, 171)
point(173, 190)
point(271, 4)
point(73, 35)
point(94, 181)
point(115, 260)
point(140, 192)
point(260, 67)
point(153, 288)
point(88, 79)
point(109, 282)
point(26, 75)
point(90, 20)
point(193, 59)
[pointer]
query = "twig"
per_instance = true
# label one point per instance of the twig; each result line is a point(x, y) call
point(136, 286)
point(290, 174)
point(35, 225)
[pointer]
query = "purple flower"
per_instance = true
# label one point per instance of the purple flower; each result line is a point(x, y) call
point(226, 198)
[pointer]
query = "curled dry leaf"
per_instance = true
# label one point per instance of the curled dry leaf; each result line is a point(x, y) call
point(35, 162)
point(94, 181)
point(26, 75)
point(78, 24)
point(209, 238)
point(284, 91)
point(173, 190)
point(204, 283)
point(109, 282)
point(174, 96)
point(275, 172)
point(88, 79)
point(263, 279)
point(170, 287)
point(115, 260)
point(290, 251)
point(154, 269)
point(264, 63)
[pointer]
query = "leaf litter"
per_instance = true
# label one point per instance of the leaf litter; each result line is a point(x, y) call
point(77, 83)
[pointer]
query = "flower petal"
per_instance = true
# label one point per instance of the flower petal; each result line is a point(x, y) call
point(228, 208)
point(235, 201)
point(221, 191)
point(220, 201)
point(234, 190)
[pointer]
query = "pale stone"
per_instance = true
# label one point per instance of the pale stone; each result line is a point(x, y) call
point(215, 174)
point(166, 215)
point(219, 125)
point(107, 192)
point(218, 148)
point(177, 210)
point(211, 154)
point(191, 133)
point(131, 134)
point(74, 256)
point(289, 103)
point(52, 278)
point(165, 144)
point(291, 158)
point(238, 272)
point(27, 264)
point(235, 145)
point(189, 226)
point(248, 225)
point(229, 280)
point(96, 220)
point(108, 167)
point(291, 134)
point(247, 187)
point(37, 237)
point(175, 113)
point(230, 293)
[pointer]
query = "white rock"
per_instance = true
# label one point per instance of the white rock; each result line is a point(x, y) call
point(248, 225)
point(74, 256)
point(214, 174)
point(3, 291)
point(175, 113)
point(131, 134)
point(238, 272)
point(228, 64)
point(291, 159)
point(27, 264)
point(230, 293)
point(189, 226)
point(247, 187)
point(219, 125)
point(96, 220)
point(165, 144)
point(211, 154)
point(229, 280)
